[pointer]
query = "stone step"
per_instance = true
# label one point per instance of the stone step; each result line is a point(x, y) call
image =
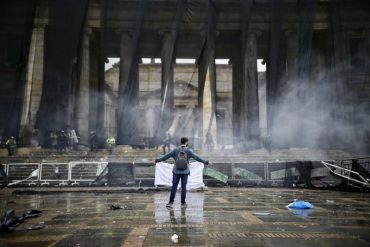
point(132, 155)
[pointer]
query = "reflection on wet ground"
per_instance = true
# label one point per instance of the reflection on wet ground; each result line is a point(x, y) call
point(218, 217)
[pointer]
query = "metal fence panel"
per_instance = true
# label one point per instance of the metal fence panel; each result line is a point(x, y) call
point(5, 168)
point(277, 171)
point(143, 171)
point(20, 171)
point(54, 171)
point(86, 171)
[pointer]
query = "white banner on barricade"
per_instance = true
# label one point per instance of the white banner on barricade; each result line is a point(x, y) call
point(163, 175)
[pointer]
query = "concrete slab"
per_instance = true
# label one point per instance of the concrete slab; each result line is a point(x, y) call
point(218, 217)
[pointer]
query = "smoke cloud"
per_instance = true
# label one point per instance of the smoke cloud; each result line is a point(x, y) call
point(311, 114)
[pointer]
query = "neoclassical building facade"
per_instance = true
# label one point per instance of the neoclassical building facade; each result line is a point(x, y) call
point(317, 79)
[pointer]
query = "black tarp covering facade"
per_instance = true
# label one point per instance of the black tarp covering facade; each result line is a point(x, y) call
point(63, 37)
point(16, 23)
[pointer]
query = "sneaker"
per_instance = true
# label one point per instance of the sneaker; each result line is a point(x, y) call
point(169, 205)
point(184, 205)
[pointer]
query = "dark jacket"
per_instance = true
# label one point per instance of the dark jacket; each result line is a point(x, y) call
point(174, 154)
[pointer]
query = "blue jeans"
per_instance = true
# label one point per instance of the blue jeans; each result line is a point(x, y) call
point(175, 183)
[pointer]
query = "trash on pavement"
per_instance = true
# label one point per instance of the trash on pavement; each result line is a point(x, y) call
point(175, 238)
point(298, 204)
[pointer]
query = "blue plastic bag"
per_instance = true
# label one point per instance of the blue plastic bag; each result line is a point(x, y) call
point(301, 212)
point(300, 205)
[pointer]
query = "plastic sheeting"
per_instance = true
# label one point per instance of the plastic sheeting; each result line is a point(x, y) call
point(163, 175)
point(300, 208)
point(298, 204)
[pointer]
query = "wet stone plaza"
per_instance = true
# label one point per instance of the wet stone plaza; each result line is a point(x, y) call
point(217, 217)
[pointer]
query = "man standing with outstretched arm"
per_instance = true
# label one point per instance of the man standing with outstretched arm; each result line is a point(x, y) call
point(180, 171)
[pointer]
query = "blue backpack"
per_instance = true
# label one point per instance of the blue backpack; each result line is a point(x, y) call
point(181, 162)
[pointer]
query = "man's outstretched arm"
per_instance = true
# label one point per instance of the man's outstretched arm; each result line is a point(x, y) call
point(165, 157)
point(197, 157)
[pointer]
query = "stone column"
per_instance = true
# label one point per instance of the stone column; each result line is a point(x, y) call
point(340, 61)
point(209, 103)
point(199, 112)
point(34, 79)
point(207, 92)
point(291, 55)
point(167, 86)
point(125, 53)
point(250, 92)
point(94, 75)
point(82, 115)
point(237, 85)
point(25, 115)
point(128, 90)
point(318, 92)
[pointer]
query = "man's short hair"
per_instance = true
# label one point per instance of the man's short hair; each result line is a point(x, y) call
point(184, 140)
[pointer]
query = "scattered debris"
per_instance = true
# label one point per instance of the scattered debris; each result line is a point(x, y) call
point(10, 221)
point(300, 208)
point(36, 227)
point(330, 201)
point(175, 238)
point(298, 204)
point(215, 174)
point(31, 214)
point(116, 207)
point(261, 213)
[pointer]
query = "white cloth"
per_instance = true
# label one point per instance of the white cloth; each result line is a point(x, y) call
point(73, 136)
point(163, 175)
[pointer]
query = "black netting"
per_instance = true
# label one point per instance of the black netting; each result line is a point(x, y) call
point(16, 23)
point(168, 60)
point(273, 57)
point(63, 38)
point(306, 12)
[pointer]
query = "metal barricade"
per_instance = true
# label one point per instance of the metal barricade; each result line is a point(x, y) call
point(344, 173)
point(63, 174)
point(23, 173)
point(5, 168)
point(54, 173)
point(278, 171)
point(85, 171)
